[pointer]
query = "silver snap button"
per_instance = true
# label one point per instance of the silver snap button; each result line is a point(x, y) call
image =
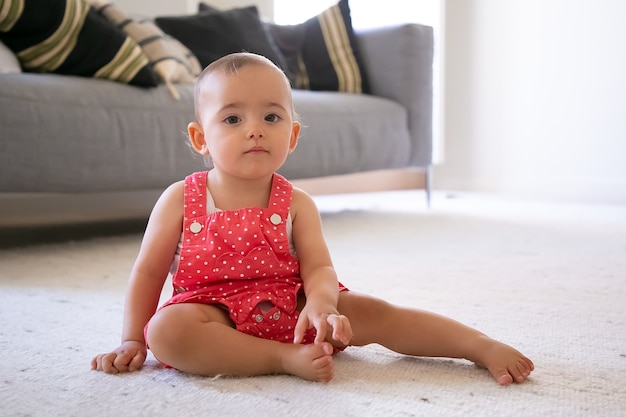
point(276, 219)
point(258, 318)
point(276, 315)
point(195, 227)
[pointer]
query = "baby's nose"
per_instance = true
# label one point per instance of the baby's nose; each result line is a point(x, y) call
point(255, 132)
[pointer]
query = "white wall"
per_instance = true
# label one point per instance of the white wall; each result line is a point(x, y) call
point(154, 8)
point(535, 98)
point(266, 7)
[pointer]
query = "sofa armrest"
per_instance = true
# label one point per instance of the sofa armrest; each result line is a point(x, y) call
point(399, 65)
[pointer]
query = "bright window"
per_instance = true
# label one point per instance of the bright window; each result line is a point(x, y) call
point(366, 14)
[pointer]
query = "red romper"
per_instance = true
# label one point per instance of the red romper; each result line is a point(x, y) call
point(240, 258)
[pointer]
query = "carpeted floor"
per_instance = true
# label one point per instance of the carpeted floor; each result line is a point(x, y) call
point(549, 279)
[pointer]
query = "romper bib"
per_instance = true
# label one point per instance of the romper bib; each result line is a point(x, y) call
point(240, 259)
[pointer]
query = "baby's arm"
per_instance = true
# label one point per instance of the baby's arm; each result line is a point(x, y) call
point(318, 274)
point(146, 282)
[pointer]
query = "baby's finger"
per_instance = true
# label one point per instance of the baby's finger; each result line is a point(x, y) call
point(322, 328)
point(107, 363)
point(301, 326)
point(121, 361)
point(137, 362)
point(94, 364)
point(342, 330)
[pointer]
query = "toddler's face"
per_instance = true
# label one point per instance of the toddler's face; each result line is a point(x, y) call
point(247, 120)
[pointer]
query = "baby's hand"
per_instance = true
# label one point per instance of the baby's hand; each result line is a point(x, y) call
point(342, 330)
point(312, 317)
point(129, 357)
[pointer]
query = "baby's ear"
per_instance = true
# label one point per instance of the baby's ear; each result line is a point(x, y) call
point(295, 133)
point(196, 136)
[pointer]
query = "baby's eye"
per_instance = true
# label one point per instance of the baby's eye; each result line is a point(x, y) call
point(272, 117)
point(231, 120)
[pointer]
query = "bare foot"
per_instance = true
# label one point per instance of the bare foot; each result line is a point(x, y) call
point(505, 364)
point(311, 362)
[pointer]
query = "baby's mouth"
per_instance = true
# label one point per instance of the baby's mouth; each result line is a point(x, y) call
point(256, 149)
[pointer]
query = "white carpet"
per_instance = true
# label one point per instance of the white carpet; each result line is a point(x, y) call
point(549, 279)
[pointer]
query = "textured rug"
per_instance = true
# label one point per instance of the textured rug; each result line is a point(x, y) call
point(549, 279)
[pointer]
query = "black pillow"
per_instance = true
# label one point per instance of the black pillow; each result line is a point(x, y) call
point(212, 34)
point(290, 41)
point(70, 37)
point(323, 51)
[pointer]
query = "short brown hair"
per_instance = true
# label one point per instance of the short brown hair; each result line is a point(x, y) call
point(230, 64)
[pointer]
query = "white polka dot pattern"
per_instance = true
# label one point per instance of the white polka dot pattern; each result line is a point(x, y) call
point(238, 258)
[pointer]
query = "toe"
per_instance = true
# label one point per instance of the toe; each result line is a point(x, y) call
point(504, 379)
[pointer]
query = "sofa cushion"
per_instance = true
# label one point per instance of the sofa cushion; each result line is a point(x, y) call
point(124, 139)
point(94, 135)
point(212, 34)
point(69, 37)
point(323, 51)
point(173, 62)
point(347, 133)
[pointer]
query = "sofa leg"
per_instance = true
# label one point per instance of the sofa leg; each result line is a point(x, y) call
point(429, 181)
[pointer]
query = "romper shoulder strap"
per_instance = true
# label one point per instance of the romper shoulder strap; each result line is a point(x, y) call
point(195, 195)
point(280, 198)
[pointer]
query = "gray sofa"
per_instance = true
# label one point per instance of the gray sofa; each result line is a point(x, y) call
point(79, 149)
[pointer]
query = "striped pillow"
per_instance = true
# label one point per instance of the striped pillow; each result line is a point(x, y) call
point(69, 37)
point(323, 52)
point(173, 62)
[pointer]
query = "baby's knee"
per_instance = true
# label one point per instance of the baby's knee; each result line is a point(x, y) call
point(161, 330)
point(178, 322)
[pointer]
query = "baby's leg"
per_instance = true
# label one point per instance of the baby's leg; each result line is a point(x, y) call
point(421, 333)
point(200, 339)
